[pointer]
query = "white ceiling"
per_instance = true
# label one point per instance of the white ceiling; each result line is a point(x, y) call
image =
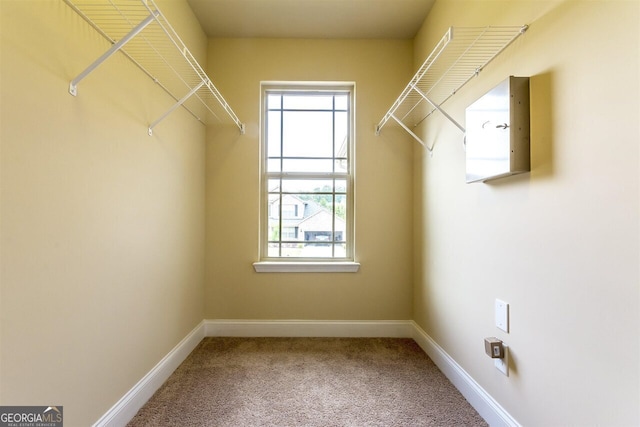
point(359, 19)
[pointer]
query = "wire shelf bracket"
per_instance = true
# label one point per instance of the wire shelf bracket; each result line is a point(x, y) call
point(139, 30)
point(460, 55)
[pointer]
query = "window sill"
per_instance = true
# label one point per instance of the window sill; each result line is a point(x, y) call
point(305, 267)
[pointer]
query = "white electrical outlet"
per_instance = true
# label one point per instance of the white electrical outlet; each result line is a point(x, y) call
point(502, 365)
point(502, 315)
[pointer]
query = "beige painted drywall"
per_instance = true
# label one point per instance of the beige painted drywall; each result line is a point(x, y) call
point(101, 227)
point(559, 244)
point(383, 214)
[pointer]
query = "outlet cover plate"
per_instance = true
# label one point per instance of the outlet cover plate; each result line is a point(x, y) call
point(502, 315)
point(502, 365)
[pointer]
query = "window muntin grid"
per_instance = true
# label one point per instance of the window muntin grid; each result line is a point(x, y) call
point(307, 179)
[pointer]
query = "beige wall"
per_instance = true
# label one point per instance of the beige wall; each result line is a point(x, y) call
point(560, 244)
point(101, 232)
point(382, 287)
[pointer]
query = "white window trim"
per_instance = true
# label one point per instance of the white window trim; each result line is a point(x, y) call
point(306, 267)
point(340, 265)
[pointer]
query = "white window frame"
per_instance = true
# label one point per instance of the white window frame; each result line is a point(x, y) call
point(285, 264)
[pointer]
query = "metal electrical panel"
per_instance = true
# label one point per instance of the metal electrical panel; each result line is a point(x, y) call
point(497, 132)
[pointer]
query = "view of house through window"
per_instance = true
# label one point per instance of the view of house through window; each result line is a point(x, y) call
point(307, 175)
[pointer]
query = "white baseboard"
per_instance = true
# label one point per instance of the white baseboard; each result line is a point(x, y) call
point(487, 407)
point(309, 328)
point(126, 408)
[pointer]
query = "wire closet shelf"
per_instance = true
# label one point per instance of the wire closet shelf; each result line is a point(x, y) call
point(139, 30)
point(456, 59)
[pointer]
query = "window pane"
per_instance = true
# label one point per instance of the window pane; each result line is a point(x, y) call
point(273, 210)
point(273, 185)
point(320, 206)
point(318, 225)
point(273, 133)
point(341, 187)
point(308, 134)
point(273, 165)
point(273, 250)
point(274, 101)
point(342, 101)
point(340, 219)
point(308, 102)
point(342, 165)
point(274, 198)
point(307, 185)
point(341, 134)
point(289, 233)
point(274, 230)
point(291, 251)
point(308, 250)
point(307, 165)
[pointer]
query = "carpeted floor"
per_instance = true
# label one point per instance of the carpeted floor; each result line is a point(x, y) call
point(307, 382)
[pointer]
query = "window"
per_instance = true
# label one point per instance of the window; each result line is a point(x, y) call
point(307, 173)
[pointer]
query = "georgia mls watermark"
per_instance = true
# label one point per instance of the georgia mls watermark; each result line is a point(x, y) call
point(30, 416)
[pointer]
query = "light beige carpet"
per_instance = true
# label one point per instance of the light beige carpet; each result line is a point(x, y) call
point(307, 382)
